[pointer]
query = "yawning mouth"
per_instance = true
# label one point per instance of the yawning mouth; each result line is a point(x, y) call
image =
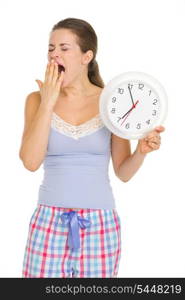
point(61, 68)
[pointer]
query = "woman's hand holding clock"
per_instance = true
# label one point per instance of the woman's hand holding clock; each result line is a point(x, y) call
point(133, 105)
point(151, 142)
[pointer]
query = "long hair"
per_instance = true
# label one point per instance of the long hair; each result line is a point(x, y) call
point(87, 40)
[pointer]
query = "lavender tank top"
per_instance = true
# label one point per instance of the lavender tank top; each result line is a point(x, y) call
point(76, 166)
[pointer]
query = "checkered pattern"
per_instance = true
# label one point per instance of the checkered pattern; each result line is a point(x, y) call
point(47, 253)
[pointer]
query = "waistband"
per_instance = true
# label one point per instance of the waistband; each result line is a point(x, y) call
point(68, 209)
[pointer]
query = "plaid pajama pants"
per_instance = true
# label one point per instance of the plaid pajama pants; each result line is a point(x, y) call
point(63, 242)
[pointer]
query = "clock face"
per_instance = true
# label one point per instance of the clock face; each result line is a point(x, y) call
point(132, 104)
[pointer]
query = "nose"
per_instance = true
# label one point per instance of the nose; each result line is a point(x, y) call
point(54, 57)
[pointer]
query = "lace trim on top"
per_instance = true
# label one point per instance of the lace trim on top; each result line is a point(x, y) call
point(76, 131)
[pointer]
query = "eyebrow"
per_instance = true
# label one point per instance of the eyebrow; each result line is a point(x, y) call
point(62, 44)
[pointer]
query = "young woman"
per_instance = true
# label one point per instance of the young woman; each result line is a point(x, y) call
point(75, 230)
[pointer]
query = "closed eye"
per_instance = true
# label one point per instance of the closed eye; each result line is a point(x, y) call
point(61, 49)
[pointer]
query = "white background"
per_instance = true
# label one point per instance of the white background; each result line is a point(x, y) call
point(145, 35)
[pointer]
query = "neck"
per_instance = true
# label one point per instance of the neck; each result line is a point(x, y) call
point(80, 88)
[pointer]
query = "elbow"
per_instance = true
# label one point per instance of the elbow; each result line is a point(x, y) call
point(126, 180)
point(28, 164)
point(122, 178)
point(30, 168)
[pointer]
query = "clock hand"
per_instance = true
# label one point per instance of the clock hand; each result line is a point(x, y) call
point(128, 113)
point(131, 95)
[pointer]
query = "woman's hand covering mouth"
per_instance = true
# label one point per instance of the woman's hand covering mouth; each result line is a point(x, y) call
point(60, 66)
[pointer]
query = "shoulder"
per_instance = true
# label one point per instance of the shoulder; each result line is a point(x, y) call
point(33, 97)
point(32, 101)
point(32, 104)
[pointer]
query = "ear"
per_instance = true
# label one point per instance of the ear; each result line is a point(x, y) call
point(88, 56)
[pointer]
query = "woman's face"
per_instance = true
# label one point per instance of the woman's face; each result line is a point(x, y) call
point(63, 48)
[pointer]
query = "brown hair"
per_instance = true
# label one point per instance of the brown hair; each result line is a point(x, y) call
point(87, 40)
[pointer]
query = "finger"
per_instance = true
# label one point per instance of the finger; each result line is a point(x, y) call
point(155, 131)
point(154, 147)
point(154, 144)
point(160, 129)
point(60, 79)
point(157, 142)
point(55, 73)
point(155, 138)
point(51, 70)
point(39, 82)
point(47, 71)
point(151, 136)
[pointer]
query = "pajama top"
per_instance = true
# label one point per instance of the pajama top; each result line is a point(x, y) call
point(76, 165)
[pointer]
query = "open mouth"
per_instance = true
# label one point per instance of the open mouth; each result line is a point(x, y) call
point(61, 68)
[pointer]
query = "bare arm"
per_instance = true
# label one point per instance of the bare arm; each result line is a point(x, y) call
point(36, 132)
point(125, 163)
point(130, 166)
point(38, 111)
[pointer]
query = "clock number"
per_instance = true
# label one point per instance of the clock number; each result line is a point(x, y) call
point(148, 122)
point(119, 118)
point(138, 126)
point(127, 126)
point(154, 112)
point(113, 110)
point(155, 101)
point(141, 86)
point(120, 91)
point(114, 99)
point(150, 92)
point(130, 86)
